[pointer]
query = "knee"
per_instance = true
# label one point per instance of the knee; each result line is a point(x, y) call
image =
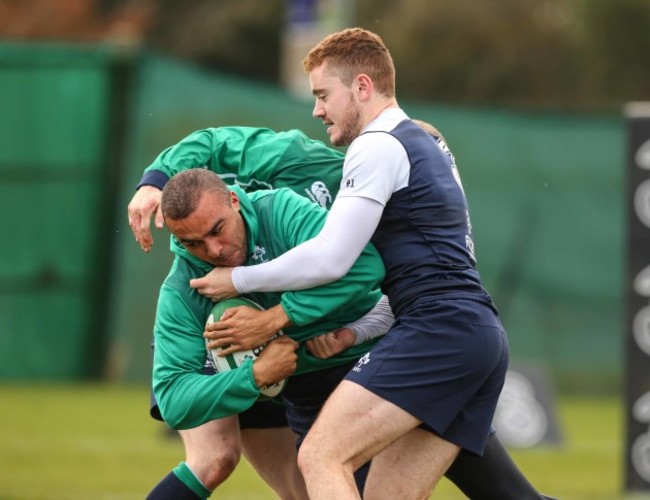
point(308, 459)
point(214, 468)
point(221, 466)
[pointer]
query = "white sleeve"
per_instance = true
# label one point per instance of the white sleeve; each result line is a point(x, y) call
point(327, 257)
point(376, 165)
point(374, 323)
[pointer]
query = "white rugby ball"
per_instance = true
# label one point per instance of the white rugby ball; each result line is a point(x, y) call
point(235, 360)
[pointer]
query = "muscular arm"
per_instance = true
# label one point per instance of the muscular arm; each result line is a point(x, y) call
point(323, 259)
point(188, 398)
point(194, 151)
point(254, 158)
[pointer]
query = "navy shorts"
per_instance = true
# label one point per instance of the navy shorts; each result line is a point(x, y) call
point(262, 415)
point(305, 394)
point(444, 362)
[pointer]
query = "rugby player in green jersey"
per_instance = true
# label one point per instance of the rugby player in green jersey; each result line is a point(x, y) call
point(253, 158)
point(213, 226)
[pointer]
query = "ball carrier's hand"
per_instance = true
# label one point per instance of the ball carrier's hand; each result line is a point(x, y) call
point(241, 328)
point(277, 361)
point(144, 204)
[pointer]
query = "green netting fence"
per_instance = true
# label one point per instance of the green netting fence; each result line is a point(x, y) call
point(545, 191)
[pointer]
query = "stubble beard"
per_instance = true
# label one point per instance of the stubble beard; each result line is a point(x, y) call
point(350, 126)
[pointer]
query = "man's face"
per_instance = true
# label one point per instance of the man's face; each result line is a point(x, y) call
point(336, 105)
point(214, 232)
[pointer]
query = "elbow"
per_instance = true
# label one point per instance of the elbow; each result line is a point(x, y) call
point(175, 419)
point(171, 418)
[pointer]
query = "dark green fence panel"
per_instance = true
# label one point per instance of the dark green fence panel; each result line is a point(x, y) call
point(56, 109)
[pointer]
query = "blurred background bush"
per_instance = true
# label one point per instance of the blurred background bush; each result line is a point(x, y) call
point(569, 54)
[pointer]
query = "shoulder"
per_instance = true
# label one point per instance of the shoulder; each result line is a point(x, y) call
point(180, 274)
point(375, 140)
point(177, 296)
point(374, 151)
point(301, 150)
point(282, 195)
point(283, 205)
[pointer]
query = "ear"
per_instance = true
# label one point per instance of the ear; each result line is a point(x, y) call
point(364, 87)
point(234, 200)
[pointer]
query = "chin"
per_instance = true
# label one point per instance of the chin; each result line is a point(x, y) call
point(342, 142)
point(336, 140)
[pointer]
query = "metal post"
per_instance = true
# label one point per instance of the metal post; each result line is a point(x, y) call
point(637, 342)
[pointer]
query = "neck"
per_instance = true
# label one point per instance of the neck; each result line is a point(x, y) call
point(375, 111)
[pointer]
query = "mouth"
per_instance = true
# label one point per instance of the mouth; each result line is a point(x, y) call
point(222, 262)
point(233, 259)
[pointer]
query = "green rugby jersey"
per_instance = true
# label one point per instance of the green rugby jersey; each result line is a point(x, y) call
point(255, 158)
point(276, 221)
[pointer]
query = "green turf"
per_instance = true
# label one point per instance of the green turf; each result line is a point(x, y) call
point(97, 441)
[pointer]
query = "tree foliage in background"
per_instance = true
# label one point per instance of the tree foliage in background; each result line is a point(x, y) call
point(240, 36)
point(577, 54)
point(558, 53)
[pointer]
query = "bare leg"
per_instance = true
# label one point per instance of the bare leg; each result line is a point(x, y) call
point(354, 426)
point(272, 452)
point(427, 454)
point(213, 450)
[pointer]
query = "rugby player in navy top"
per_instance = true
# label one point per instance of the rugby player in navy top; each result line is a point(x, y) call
point(430, 387)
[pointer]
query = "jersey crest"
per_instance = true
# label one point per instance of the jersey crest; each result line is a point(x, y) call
point(318, 193)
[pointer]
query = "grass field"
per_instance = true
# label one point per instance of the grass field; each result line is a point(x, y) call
point(97, 442)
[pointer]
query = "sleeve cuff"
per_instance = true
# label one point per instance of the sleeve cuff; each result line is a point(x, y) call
point(154, 178)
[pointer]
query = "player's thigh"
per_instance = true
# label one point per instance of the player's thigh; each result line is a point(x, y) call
point(212, 439)
point(354, 425)
point(272, 453)
point(410, 467)
point(270, 449)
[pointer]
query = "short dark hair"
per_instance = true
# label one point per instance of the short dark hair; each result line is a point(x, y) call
point(183, 191)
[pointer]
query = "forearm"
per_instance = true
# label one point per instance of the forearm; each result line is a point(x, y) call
point(374, 323)
point(189, 399)
point(323, 259)
point(371, 325)
point(193, 151)
point(245, 328)
point(276, 319)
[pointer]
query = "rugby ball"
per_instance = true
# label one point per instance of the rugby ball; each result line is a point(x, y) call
point(236, 359)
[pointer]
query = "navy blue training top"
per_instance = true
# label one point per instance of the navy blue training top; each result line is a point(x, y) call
point(424, 235)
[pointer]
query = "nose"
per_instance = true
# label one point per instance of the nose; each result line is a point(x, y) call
point(318, 111)
point(213, 248)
